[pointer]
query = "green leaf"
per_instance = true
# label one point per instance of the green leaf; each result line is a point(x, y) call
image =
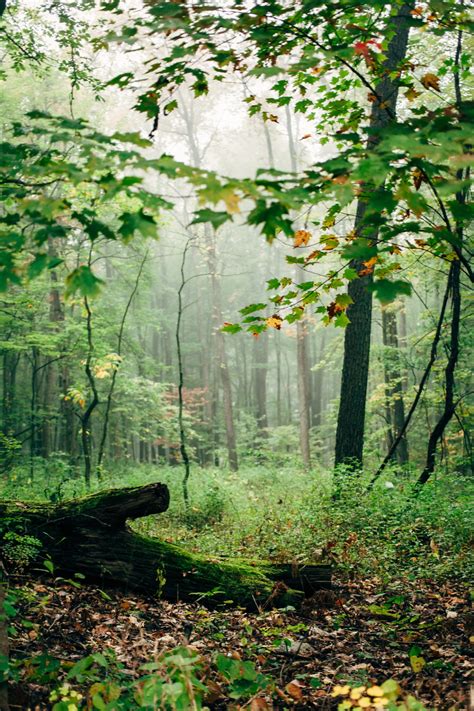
point(137, 222)
point(49, 565)
point(273, 283)
point(251, 308)
point(341, 320)
point(84, 281)
point(39, 263)
point(231, 328)
point(344, 300)
point(214, 217)
point(387, 291)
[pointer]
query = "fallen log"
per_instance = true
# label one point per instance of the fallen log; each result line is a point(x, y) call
point(92, 536)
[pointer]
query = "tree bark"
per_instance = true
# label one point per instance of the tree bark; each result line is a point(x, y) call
point(4, 646)
point(261, 371)
point(355, 369)
point(92, 536)
point(303, 391)
point(393, 382)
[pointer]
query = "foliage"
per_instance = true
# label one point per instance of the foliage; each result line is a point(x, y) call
point(83, 165)
point(19, 550)
point(407, 172)
point(385, 696)
point(385, 531)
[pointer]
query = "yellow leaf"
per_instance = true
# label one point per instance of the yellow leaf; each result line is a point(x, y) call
point(357, 692)
point(417, 664)
point(330, 242)
point(411, 94)
point(430, 81)
point(341, 690)
point(301, 238)
point(364, 702)
point(231, 200)
point(274, 322)
point(375, 691)
point(329, 221)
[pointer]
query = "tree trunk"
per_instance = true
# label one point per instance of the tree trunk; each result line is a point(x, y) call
point(222, 355)
point(261, 370)
point(51, 375)
point(355, 369)
point(3, 642)
point(91, 536)
point(317, 381)
point(197, 155)
point(303, 390)
point(393, 382)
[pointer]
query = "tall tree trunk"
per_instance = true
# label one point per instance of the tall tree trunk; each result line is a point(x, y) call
point(225, 376)
point(182, 431)
point(355, 369)
point(279, 376)
point(302, 366)
point(261, 370)
point(86, 434)
point(303, 390)
point(196, 156)
point(4, 646)
point(454, 285)
point(317, 382)
point(393, 383)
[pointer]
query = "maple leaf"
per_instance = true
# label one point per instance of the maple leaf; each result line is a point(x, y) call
point(430, 81)
point(369, 266)
point(411, 94)
point(301, 238)
point(274, 322)
point(314, 255)
point(334, 308)
point(231, 200)
point(362, 48)
point(418, 178)
point(395, 249)
point(330, 242)
point(329, 221)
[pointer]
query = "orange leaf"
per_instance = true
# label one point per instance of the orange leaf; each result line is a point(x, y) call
point(430, 81)
point(274, 322)
point(301, 238)
point(295, 689)
point(369, 266)
point(418, 178)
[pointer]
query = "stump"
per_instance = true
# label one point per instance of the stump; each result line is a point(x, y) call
point(91, 536)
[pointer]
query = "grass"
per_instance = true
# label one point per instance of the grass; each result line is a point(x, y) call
point(285, 513)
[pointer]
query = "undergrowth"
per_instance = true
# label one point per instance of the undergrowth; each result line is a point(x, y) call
point(287, 513)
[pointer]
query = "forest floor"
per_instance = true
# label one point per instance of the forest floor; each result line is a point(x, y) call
point(361, 633)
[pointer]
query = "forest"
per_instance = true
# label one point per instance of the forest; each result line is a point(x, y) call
point(236, 466)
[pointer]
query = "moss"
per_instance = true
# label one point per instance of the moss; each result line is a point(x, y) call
point(90, 536)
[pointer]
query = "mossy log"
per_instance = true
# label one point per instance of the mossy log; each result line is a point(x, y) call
point(92, 536)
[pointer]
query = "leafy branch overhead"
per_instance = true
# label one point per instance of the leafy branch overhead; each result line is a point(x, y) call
point(317, 54)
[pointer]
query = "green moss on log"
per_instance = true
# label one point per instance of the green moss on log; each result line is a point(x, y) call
point(91, 536)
